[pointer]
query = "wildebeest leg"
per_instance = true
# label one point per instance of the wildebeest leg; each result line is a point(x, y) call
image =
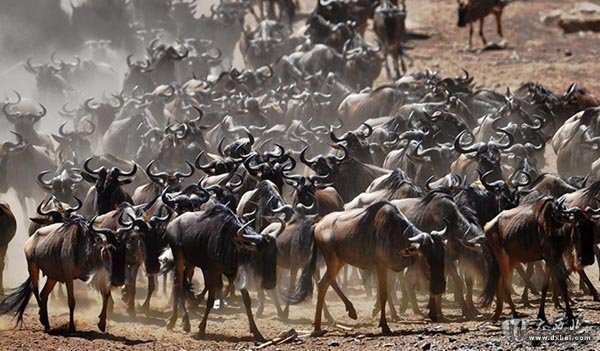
point(102, 316)
point(504, 283)
point(388, 72)
point(400, 54)
point(212, 281)
point(260, 295)
point(589, 285)
point(404, 291)
point(292, 287)
point(541, 312)
point(177, 287)
point(349, 306)
point(50, 283)
point(2, 263)
point(365, 275)
point(481, 34)
point(507, 285)
point(597, 253)
point(328, 315)
point(71, 298)
point(469, 294)
point(559, 274)
point(248, 305)
point(328, 278)
point(525, 276)
point(151, 287)
point(459, 292)
point(470, 35)
point(383, 293)
point(164, 289)
point(273, 295)
point(130, 290)
point(498, 15)
point(390, 292)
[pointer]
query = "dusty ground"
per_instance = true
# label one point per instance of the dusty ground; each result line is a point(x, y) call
point(535, 52)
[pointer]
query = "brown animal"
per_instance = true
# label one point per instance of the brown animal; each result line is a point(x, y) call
point(542, 230)
point(388, 24)
point(377, 237)
point(65, 252)
point(470, 11)
point(8, 228)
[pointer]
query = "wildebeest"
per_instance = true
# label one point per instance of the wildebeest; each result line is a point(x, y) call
point(387, 240)
point(541, 230)
point(65, 252)
point(107, 192)
point(388, 24)
point(470, 11)
point(217, 242)
point(8, 228)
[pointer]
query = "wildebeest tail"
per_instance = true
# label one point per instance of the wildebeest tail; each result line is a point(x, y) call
point(305, 286)
point(493, 275)
point(17, 301)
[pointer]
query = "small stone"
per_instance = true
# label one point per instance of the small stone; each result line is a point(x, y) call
point(568, 53)
point(389, 344)
point(464, 329)
point(334, 343)
point(536, 343)
point(451, 339)
point(426, 346)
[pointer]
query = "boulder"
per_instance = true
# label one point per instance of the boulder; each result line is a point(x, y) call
point(583, 16)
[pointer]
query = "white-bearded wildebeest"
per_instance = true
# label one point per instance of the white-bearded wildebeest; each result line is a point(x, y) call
point(8, 228)
point(470, 11)
point(65, 252)
point(541, 230)
point(387, 241)
point(216, 241)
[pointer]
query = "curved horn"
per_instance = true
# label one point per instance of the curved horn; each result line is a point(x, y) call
point(86, 166)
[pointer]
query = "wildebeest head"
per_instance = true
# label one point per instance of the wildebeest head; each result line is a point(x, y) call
point(488, 155)
point(582, 234)
point(112, 249)
point(76, 142)
point(7, 151)
point(463, 13)
point(357, 143)
point(48, 78)
point(108, 185)
point(63, 185)
point(431, 246)
point(169, 179)
point(507, 195)
point(325, 165)
point(104, 112)
point(265, 253)
point(138, 76)
point(24, 122)
point(152, 231)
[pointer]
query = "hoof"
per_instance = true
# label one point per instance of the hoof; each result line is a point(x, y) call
point(318, 333)
point(258, 337)
point(386, 330)
point(186, 326)
point(171, 324)
point(71, 329)
point(102, 326)
point(352, 312)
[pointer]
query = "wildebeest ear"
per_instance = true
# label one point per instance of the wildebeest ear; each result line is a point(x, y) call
point(125, 181)
point(40, 221)
point(89, 178)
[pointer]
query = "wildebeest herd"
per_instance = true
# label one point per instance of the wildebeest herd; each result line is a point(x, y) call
point(297, 162)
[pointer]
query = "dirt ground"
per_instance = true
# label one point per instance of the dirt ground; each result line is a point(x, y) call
point(535, 52)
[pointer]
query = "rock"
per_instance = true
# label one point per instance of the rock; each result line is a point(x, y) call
point(464, 329)
point(584, 16)
point(536, 343)
point(388, 344)
point(426, 346)
point(334, 343)
point(451, 339)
